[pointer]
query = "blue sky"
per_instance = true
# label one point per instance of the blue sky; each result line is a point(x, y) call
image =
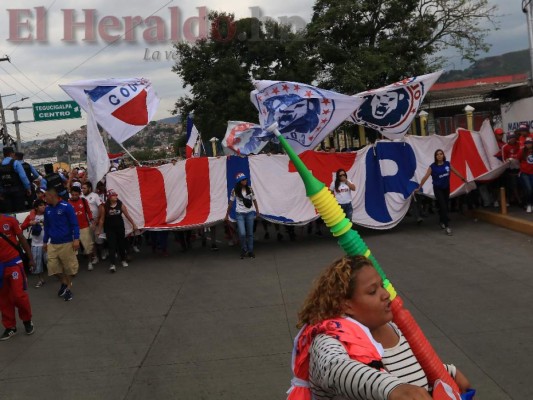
point(38, 68)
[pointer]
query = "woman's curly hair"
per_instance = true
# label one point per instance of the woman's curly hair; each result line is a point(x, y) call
point(330, 289)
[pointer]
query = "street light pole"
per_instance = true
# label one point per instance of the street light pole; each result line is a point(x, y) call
point(2, 114)
point(527, 8)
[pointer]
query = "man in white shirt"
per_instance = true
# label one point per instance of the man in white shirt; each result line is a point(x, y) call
point(96, 205)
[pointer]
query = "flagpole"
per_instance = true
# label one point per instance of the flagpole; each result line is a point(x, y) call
point(126, 150)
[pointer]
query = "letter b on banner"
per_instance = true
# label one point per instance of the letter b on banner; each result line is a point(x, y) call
point(399, 157)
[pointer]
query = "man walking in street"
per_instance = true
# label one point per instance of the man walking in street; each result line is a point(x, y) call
point(14, 183)
point(62, 230)
point(13, 283)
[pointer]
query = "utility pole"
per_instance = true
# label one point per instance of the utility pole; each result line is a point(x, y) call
point(527, 8)
point(2, 114)
point(16, 122)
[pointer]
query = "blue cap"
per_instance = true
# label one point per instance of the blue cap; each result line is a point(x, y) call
point(240, 177)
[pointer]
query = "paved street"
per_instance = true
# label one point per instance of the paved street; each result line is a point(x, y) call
point(205, 325)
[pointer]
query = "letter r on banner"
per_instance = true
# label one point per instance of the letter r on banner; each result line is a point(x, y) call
point(380, 184)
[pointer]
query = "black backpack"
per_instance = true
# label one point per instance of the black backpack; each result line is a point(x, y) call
point(9, 178)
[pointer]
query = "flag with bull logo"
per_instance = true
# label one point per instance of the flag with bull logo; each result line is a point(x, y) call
point(121, 106)
point(391, 109)
point(243, 138)
point(305, 114)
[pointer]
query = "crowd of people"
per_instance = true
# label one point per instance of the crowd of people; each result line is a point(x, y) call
point(68, 216)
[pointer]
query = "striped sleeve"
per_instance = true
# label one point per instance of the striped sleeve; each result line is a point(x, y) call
point(332, 372)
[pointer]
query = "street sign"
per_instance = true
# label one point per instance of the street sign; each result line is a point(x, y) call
point(56, 110)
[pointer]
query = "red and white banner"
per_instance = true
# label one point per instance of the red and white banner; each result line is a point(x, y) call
point(195, 192)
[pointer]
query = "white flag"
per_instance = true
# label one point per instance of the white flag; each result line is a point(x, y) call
point(391, 109)
point(244, 138)
point(121, 106)
point(305, 114)
point(97, 157)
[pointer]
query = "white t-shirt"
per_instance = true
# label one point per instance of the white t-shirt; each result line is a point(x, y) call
point(94, 201)
point(344, 195)
point(37, 241)
point(241, 208)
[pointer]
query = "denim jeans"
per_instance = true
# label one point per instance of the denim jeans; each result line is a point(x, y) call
point(527, 185)
point(348, 210)
point(245, 224)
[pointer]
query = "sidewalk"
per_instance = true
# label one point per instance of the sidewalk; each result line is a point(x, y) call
point(516, 218)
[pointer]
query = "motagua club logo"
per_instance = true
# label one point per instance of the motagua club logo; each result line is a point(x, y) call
point(302, 112)
point(390, 110)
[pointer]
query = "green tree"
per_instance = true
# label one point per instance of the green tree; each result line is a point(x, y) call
point(218, 71)
point(362, 44)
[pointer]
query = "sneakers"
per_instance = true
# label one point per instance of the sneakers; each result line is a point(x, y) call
point(29, 328)
point(124, 264)
point(528, 209)
point(90, 266)
point(251, 254)
point(214, 247)
point(8, 333)
point(39, 284)
point(496, 204)
point(136, 249)
point(448, 231)
point(94, 260)
point(104, 254)
point(243, 254)
point(442, 226)
point(62, 290)
point(112, 268)
point(419, 220)
point(68, 295)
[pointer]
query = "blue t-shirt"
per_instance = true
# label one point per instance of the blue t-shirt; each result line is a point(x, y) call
point(441, 175)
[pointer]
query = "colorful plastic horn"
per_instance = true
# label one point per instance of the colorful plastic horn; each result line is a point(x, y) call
point(352, 243)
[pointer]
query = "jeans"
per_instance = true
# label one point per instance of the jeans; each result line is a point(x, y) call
point(527, 185)
point(442, 196)
point(348, 210)
point(245, 224)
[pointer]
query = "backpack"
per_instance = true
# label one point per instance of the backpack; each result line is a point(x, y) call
point(9, 178)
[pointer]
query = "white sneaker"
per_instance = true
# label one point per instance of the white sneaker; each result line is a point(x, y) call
point(449, 231)
point(136, 249)
point(528, 209)
point(104, 254)
point(112, 268)
point(94, 260)
point(496, 204)
point(124, 264)
point(90, 267)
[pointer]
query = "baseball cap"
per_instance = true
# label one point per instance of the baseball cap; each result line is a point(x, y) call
point(529, 140)
point(522, 127)
point(240, 177)
point(111, 192)
point(113, 169)
point(76, 184)
point(511, 135)
point(498, 131)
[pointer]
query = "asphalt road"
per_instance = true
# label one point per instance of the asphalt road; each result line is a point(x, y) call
point(207, 325)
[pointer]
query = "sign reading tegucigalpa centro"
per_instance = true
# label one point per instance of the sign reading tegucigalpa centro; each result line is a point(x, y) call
point(56, 110)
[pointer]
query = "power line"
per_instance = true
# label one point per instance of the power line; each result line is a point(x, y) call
point(35, 94)
point(102, 49)
point(7, 84)
point(34, 84)
point(38, 22)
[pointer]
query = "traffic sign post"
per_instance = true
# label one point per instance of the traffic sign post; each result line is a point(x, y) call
point(56, 110)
